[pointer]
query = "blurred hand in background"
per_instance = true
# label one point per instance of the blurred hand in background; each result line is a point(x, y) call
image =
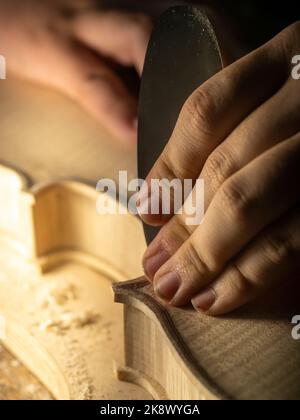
point(76, 47)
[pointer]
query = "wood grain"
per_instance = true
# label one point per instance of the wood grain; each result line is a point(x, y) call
point(17, 383)
point(185, 355)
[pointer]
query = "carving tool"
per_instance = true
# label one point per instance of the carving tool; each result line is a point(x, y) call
point(183, 53)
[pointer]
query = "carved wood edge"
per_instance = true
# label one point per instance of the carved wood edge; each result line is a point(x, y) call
point(28, 349)
point(56, 222)
point(131, 293)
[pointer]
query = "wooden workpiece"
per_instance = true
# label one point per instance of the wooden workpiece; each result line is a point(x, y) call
point(16, 382)
point(58, 257)
point(181, 354)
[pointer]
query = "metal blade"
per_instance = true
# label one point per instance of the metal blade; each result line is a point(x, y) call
point(182, 54)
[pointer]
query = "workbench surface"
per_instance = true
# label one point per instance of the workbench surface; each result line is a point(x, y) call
point(16, 382)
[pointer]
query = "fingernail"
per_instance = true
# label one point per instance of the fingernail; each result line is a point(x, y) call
point(154, 261)
point(204, 301)
point(167, 286)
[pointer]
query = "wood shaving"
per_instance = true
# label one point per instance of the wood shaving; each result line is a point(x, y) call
point(59, 295)
point(70, 320)
point(80, 379)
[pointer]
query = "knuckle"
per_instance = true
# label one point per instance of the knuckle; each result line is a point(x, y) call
point(166, 168)
point(241, 283)
point(235, 201)
point(292, 32)
point(204, 265)
point(182, 229)
point(278, 249)
point(199, 113)
point(173, 235)
point(217, 169)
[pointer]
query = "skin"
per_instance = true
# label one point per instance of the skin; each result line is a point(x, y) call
point(240, 132)
point(74, 47)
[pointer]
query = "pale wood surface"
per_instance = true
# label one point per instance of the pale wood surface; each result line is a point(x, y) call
point(16, 382)
point(49, 137)
point(58, 257)
point(185, 355)
point(65, 328)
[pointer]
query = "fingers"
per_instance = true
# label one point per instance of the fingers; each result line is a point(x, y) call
point(199, 261)
point(105, 97)
point(212, 112)
point(64, 47)
point(273, 257)
point(267, 126)
point(263, 129)
point(122, 36)
point(239, 211)
point(168, 241)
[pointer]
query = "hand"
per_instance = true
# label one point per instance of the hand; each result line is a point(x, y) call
point(239, 131)
point(72, 46)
